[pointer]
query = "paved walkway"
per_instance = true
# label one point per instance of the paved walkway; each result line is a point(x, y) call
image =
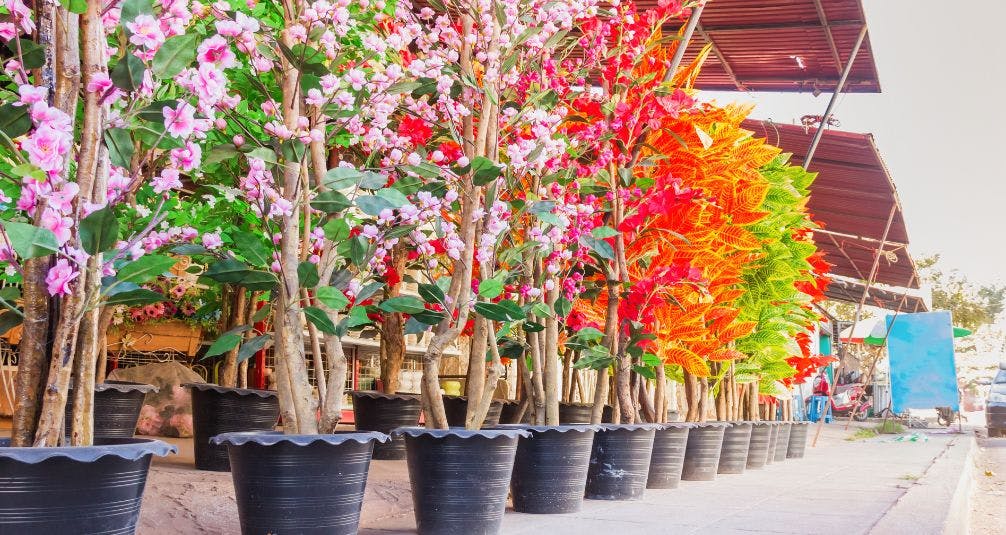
point(843, 487)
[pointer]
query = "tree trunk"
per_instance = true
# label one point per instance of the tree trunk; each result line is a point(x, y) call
point(33, 354)
point(331, 413)
point(393, 330)
point(235, 319)
point(551, 357)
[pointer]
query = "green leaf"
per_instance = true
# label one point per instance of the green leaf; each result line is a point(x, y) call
point(414, 326)
point(226, 342)
point(394, 197)
point(307, 273)
point(429, 317)
point(372, 204)
point(320, 319)
point(330, 202)
point(145, 268)
point(358, 316)
point(502, 311)
point(227, 271)
point(175, 54)
point(252, 248)
point(368, 291)
point(433, 294)
point(134, 298)
point(484, 170)
point(132, 8)
point(358, 250)
point(645, 371)
point(562, 307)
point(14, 120)
point(221, 153)
point(403, 303)
point(127, 74)
point(332, 297)
point(533, 327)
point(336, 229)
point(74, 6)
point(252, 346)
point(590, 334)
point(9, 320)
point(342, 177)
point(601, 247)
point(189, 249)
point(99, 231)
point(490, 288)
point(32, 54)
point(650, 359)
point(30, 241)
point(265, 154)
point(120, 147)
point(603, 232)
point(258, 280)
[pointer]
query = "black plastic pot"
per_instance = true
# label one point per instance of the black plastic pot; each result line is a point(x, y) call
point(797, 440)
point(579, 413)
point(375, 411)
point(550, 471)
point(734, 452)
point(668, 457)
point(217, 410)
point(117, 407)
point(773, 440)
point(299, 483)
point(620, 461)
point(457, 406)
point(79, 490)
point(761, 435)
point(460, 478)
point(702, 454)
point(782, 442)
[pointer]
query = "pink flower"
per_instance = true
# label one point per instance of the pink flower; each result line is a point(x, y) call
point(21, 14)
point(62, 199)
point(211, 240)
point(59, 225)
point(47, 148)
point(181, 121)
point(7, 31)
point(216, 50)
point(59, 277)
point(187, 158)
point(146, 32)
point(30, 94)
point(228, 28)
point(102, 85)
point(168, 180)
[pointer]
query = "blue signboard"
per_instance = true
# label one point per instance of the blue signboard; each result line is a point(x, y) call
point(921, 351)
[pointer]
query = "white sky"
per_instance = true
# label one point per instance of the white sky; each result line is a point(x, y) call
point(940, 123)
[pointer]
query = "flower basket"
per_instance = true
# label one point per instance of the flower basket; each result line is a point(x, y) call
point(170, 335)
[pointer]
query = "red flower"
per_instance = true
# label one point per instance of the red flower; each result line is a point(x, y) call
point(415, 129)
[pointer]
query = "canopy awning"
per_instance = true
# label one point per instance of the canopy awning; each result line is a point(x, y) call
point(781, 45)
point(889, 299)
point(855, 201)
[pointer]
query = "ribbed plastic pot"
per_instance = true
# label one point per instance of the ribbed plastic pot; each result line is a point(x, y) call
point(460, 478)
point(702, 454)
point(117, 407)
point(797, 440)
point(81, 490)
point(306, 484)
point(761, 434)
point(457, 406)
point(550, 471)
point(579, 413)
point(782, 443)
point(620, 461)
point(773, 439)
point(376, 411)
point(668, 457)
point(734, 452)
point(217, 410)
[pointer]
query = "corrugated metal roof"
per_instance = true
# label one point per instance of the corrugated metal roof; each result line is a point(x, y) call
point(852, 198)
point(781, 45)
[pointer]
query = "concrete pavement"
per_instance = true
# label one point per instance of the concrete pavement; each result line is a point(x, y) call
point(878, 486)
